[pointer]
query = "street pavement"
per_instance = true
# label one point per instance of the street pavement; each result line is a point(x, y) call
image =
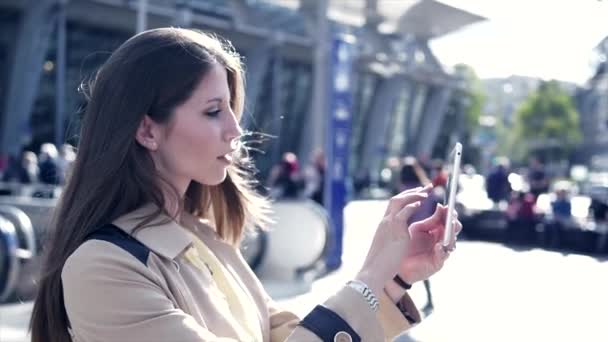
point(485, 292)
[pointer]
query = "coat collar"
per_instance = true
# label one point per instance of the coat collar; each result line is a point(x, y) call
point(163, 235)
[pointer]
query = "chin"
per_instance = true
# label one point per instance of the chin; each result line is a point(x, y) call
point(212, 181)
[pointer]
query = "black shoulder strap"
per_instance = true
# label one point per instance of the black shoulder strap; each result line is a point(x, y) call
point(120, 238)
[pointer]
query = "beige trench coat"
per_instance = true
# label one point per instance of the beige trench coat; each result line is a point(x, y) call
point(122, 288)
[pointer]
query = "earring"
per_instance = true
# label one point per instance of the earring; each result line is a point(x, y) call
point(152, 145)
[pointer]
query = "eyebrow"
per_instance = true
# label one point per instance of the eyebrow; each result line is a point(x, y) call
point(216, 99)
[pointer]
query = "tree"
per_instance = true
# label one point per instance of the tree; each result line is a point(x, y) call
point(548, 122)
point(462, 115)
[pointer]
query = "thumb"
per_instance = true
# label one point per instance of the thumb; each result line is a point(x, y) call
point(432, 221)
point(440, 254)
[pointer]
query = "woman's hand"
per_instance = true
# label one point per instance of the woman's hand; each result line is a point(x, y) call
point(425, 254)
point(391, 240)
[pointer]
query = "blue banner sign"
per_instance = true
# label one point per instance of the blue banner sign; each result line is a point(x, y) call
point(338, 142)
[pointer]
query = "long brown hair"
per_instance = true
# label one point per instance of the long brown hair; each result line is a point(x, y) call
point(151, 73)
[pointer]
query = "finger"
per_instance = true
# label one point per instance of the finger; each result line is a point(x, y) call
point(437, 230)
point(398, 203)
point(458, 227)
point(441, 255)
point(432, 222)
point(420, 189)
point(427, 188)
point(441, 252)
point(400, 228)
point(407, 211)
point(452, 245)
point(455, 223)
point(449, 248)
point(455, 230)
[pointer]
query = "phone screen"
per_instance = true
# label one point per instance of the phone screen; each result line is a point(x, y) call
point(450, 193)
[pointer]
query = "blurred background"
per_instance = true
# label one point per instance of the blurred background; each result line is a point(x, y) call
point(349, 102)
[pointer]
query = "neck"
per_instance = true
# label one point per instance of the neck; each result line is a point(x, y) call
point(172, 203)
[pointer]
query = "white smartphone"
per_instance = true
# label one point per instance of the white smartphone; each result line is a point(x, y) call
point(450, 193)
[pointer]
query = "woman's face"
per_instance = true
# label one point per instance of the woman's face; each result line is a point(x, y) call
point(197, 142)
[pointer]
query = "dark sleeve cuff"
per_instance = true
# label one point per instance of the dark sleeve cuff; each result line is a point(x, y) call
point(399, 317)
point(326, 324)
point(410, 318)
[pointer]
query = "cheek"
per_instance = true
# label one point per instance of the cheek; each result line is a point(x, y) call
point(194, 144)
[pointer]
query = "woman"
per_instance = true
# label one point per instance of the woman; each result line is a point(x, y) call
point(145, 241)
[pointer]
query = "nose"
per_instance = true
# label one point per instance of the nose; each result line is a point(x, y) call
point(233, 131)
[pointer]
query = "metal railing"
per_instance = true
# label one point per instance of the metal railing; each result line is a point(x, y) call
point(33, 190)
point(17, 246)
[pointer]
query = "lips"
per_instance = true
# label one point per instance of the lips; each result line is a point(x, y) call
point(226, 158)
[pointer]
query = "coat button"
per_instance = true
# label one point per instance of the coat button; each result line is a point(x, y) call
point(343, 336)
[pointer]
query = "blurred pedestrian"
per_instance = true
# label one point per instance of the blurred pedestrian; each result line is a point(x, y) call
point(24, 171)
point(48, 165)
point(412, 175)
point(29, 161)
point(285, 180)
point(537, 178)
point(389, 175)
point(521, 214)
point(561, 210)
point(599, 209)
point(561, 206)
point(145, 241)
point(497, 182)
point(439, 175)
point(361, 181)
point(314, 176)
point(67, 155)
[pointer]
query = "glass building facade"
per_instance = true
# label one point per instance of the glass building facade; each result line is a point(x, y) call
point(284, 94)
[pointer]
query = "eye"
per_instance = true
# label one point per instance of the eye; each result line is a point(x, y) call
point(213, 113)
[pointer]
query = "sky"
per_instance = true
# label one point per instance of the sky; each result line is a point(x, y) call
point(550, 39)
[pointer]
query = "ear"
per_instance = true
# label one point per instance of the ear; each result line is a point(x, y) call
point(148, 133)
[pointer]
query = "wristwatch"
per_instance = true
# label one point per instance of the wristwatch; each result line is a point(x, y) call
point(364, 290)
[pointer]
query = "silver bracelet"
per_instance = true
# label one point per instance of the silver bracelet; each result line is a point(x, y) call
point(364, 290)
